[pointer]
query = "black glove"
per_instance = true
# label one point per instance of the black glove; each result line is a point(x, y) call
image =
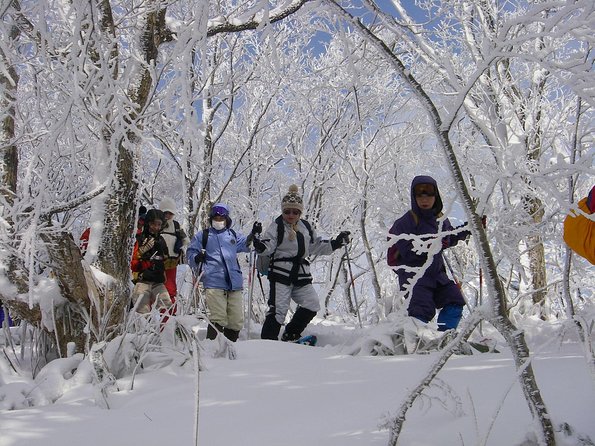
point(200, 257)
point(341, 240)
point(258, 245)
point(256, 228)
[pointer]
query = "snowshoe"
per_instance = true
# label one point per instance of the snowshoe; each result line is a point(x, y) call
point(484, 346)
point(290, 337)
point(296, 339)
point(307, 340)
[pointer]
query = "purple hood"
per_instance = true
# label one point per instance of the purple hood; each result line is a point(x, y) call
point(437, 208)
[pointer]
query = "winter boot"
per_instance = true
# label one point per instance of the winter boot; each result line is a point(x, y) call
point(270, 328)
point(410, 336)
point(449, 317)
point(299, 322)
point(232, 335)
point(290, 337)
point(213, 329)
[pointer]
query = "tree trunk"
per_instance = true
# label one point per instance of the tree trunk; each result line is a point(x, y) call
point(368, 253)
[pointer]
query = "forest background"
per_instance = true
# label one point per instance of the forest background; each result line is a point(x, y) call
point(108, 105)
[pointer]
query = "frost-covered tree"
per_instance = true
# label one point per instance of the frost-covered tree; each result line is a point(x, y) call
point(108, 104)
point(81, 83)
point(416, 49)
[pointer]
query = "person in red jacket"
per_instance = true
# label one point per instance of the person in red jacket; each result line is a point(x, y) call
point(148, 256)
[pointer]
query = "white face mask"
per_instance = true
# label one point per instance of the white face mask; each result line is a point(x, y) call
point(218, 225)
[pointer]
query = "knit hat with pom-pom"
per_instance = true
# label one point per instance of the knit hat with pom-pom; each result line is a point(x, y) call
point(293, 199)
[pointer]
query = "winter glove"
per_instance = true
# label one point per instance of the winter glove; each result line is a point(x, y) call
point(200, 257)
point(445, 242)
point(256, 228)
point(146, 246)
point(341, 240)
point(259, 246)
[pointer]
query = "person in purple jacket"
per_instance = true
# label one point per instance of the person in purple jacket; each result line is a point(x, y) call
point(424, 226)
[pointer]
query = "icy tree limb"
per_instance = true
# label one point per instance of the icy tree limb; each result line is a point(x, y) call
point(399, 420)
point(230, 25)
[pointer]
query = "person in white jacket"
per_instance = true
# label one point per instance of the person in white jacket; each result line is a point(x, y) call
point(289, 241)
point(176, 240)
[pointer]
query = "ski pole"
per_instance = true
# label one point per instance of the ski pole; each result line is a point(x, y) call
point(197, 277)
point(251, 271)
point(201, 264)
point(452, 273)
point(353, 285)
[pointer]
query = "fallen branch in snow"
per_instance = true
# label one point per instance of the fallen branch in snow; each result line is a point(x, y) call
point(399, 420)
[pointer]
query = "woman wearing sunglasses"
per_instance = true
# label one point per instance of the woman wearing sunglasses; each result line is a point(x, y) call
point(289, 270)
point(424, 281)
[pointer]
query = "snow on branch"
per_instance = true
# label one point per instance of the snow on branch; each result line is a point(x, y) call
point(227, 25)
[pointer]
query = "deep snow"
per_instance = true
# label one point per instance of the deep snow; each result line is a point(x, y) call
point(276, 393)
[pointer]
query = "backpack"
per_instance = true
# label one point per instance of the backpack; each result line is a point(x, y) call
point(205, 236)
point(179, 238)
point(263, 262)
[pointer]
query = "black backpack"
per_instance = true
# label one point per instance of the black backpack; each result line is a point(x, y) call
point(263, 262)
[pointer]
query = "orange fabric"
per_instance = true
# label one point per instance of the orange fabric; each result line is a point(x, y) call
point(136, 264)
point(579, 232)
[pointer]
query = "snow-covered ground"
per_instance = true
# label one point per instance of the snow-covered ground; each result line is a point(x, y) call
point(277, 393)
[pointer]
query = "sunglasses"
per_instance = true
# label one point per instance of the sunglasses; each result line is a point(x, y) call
point(424, 189)
point(292, 212)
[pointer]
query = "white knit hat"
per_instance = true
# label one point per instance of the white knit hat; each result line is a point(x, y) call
point(167, 205)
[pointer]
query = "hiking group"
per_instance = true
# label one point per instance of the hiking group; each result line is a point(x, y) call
point(416, 242)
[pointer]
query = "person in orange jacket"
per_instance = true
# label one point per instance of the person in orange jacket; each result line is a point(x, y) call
point(579, 231)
